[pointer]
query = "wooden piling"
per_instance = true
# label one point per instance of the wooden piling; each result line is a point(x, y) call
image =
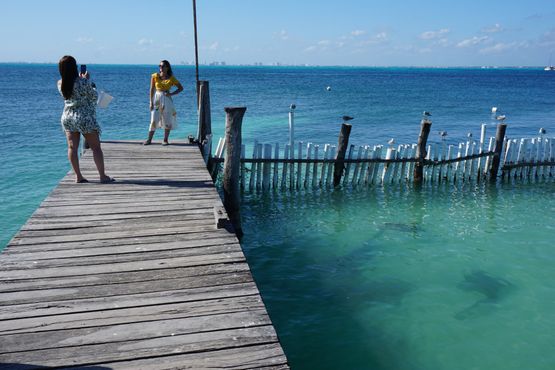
point(343, 144)
point(233, 122)
point(499, 137)
point(204, 116)
point(425, 127)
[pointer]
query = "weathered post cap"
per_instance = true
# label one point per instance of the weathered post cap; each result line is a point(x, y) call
point(234, 109)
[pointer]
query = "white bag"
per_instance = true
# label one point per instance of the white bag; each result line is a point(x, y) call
point(104, 99)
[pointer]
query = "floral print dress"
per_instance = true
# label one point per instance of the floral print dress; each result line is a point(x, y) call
point(79, 113)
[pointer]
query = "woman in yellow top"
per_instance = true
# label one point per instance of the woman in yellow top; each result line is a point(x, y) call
point(162, 110)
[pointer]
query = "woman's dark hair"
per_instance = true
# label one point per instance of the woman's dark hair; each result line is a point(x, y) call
point(167, 64)
point(68, 72)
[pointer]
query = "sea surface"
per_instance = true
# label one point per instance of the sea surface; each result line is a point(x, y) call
point(442, 277)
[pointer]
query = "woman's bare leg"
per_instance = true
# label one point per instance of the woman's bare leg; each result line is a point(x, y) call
point(73, 154)
point(98, 156)
point(166, 135)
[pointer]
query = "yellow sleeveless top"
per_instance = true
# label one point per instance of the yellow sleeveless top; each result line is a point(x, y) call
point(164, 85)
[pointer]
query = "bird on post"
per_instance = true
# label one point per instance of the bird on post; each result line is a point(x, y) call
point(347, 118)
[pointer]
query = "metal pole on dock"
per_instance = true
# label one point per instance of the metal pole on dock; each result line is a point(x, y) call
point(499, 137)
point(425, 126)
point(232, 162)
point(196, 48)
point(342, 146)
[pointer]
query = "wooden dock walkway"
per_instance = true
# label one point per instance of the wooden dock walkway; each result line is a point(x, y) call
point(133, 274)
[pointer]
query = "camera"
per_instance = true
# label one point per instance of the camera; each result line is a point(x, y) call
point(83, 68)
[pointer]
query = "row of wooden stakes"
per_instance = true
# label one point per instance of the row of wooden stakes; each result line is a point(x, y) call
point(301, 166)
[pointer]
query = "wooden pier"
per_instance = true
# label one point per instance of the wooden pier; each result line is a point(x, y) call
point(134, 274)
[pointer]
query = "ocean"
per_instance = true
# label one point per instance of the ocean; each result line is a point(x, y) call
point(443, 277)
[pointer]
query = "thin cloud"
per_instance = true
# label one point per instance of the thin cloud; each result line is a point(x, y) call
point(84, 40)
point(494, 29)
point(502, 47)
point(539, 16)
point(348, 43)
point(233, 49)
point(282, 35)
point(548, 38)
point(472, 41)
point(432, 35)
point(145, 42)
point(378, 38)
point(443, 42)
point(214, 46)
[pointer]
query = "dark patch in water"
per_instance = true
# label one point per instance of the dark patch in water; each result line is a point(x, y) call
point(493, 289)
point(402, 227)
point(390, 291)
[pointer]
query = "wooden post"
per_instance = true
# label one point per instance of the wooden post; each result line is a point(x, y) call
point(204, 116)
point(233, 122)
point(342, 146)
point(499, 137)
point(425, 126)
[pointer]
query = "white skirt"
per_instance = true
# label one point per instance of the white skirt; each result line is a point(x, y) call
point(163, 115)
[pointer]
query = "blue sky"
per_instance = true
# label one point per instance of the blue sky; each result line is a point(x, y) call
point(346, 32)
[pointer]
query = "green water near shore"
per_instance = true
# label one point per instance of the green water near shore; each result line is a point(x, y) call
point(441, 278)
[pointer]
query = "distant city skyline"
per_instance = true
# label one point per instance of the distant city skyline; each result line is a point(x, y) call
point(248, 32)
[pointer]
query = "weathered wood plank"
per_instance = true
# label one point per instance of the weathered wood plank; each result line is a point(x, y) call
point(132, 314)
point(200, 220)
point(131, 331)
point(110, 290)
point(123, 266)
point(130, 300)
point(17, 240)
point(121, 277)
point(126, 217)
point(79, 262)
point(132, 240)
point(160, 345)
point(256, 357)
point(38, 254)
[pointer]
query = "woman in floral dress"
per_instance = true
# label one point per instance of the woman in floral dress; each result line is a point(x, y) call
point(79, 116)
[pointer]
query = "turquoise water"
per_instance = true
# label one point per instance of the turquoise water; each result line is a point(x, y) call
point(450, 277)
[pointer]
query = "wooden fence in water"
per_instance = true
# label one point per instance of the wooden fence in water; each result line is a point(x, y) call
point(310, 166)
point(529, 158)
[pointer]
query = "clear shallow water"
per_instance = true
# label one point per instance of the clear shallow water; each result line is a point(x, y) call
point(449, 278)
point(380, 279)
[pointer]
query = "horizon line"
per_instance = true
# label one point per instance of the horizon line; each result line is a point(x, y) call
point(257, 64)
